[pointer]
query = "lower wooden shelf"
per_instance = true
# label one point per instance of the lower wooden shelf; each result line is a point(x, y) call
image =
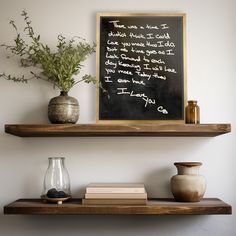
point(164, 206)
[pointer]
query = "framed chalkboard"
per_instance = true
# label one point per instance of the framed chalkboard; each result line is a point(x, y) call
point(141, 66)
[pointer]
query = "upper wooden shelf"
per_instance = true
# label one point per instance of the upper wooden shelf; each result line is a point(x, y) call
point(154, 207)
point(93, 130)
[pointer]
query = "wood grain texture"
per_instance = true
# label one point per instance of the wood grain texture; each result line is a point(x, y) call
point(95, 130)
point(154, 207)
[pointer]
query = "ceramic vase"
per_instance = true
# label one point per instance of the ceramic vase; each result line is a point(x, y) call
point(63, 109)
point(188, 185)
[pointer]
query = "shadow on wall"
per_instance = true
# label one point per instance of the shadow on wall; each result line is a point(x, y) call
point(38, 115)
point(99, 225)
point(158, 183)
point(136, 147)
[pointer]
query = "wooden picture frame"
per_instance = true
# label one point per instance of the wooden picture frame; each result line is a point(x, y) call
point(141, 67)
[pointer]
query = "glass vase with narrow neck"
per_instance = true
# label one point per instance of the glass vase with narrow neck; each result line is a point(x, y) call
point(57, 177)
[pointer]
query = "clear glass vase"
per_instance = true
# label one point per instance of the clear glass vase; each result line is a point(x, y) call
point(56, 181)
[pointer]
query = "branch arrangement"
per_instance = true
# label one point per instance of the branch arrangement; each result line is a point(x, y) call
point(58, 67)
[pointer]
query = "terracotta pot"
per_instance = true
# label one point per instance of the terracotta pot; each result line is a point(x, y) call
point(188, 185)
point(63, 109)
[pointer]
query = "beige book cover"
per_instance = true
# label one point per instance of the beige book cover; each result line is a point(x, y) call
point(115, 188)
point(114, 201)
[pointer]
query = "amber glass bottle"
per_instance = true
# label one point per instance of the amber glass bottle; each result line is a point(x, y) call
point(192, 113)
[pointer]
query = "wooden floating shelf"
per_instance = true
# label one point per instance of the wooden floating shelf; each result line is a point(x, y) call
point(163, 206)
point(95, 130)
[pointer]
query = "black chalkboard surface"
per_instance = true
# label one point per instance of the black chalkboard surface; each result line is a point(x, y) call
point(141, 67)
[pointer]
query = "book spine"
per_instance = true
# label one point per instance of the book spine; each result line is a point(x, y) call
point(116, 196)
point(114, 202)
point(115, 190)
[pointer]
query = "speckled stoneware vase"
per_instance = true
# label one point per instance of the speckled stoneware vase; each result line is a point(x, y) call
point(63, 109)
point(188, 185)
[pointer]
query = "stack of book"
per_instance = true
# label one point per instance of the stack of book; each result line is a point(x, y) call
point(115, 194)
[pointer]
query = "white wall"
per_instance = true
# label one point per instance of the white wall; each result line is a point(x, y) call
point(211, 38)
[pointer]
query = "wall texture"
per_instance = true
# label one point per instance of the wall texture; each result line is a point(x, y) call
point(211, 38)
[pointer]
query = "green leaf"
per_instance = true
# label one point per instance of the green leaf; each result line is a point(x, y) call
point(57, 66)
